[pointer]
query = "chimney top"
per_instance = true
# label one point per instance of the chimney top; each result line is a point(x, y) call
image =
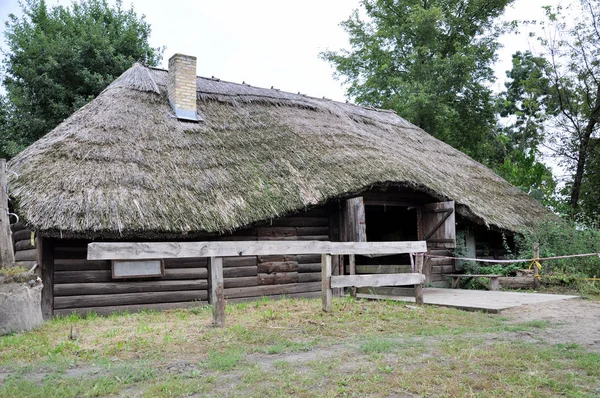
point(181, 87)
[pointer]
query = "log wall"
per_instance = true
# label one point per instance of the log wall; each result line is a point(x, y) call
point(25, 247)
point(81, 285)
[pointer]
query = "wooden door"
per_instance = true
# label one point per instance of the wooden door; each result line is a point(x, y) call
point(437, 225)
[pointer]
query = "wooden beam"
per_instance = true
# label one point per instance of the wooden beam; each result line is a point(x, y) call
point(47, 265)
point(217, 298)
point(377, 280)
point(154, 250)
point(326, 292)
point(7, 254)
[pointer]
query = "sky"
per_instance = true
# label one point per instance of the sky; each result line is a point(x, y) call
point(272, 42)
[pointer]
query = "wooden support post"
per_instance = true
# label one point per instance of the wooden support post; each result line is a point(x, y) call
point(419, 269)
point(326, 292)
point(7, 254)
point(536, 270)
point(47, 256)
point(217, 297)
point(352, 271)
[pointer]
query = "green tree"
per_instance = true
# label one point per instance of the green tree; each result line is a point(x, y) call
point(430, 61)
point(60, 58)
point(572, 43)
point(525, 106)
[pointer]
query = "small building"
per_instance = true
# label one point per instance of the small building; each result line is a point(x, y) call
point(166, 155)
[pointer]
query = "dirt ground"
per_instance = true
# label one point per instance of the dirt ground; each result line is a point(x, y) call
point(571, 321)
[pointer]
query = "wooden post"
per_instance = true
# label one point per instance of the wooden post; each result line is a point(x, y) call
point(419, 287)
point(7, 254)
point(326, 292)
point(536, 270)
point(217, 296)
point(47, 256)
point(352, 271)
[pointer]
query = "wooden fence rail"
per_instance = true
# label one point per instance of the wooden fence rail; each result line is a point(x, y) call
point(217, 250)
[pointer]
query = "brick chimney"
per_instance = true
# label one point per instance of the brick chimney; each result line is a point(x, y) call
point(182, 87)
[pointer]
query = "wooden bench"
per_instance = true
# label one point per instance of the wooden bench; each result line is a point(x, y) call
point(494, 283)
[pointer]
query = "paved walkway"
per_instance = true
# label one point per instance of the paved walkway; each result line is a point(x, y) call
point(476, 300)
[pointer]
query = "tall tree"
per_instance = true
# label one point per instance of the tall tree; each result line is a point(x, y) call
point(59, 58)
point(572, 43)
point(430, 61)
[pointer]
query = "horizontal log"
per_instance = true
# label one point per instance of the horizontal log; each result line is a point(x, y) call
point(314, 267)
point(387, 291)
point(22, 234)
point(309, 277)
point(376, 280)
point(75, 264)
point(440, 252)
point(308, 258)
point(129, 308)
point(241, 281)
point(516, 282)
point(186, 262)
point(306, 295)
point(312, 231)
point(106, 275)
point(314, 237)
point(301, 222)
point(24, 245)
point(239, 261)
point(26, 255)
point(272, 290)
point(440, 261)
point(154, 250)
point(279, 278)
point(237, 238)
point(75, 289)
point(233, 272)
point(284, 266)
point(102, 300)
point(275, 232)
point(281, 258)
point(383, 269)
point(18, 226)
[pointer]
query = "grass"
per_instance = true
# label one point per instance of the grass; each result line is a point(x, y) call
point(290, 347)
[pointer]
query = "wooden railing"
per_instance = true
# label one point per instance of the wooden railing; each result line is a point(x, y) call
point(217, 250)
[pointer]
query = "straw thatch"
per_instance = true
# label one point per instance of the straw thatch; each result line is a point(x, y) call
point(123, 166)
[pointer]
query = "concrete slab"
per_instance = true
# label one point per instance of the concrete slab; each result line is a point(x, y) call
point(475, 300)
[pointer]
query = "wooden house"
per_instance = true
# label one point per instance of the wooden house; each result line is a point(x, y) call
point(166, 155)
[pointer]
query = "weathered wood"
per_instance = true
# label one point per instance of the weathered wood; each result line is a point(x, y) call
point(277, 297)
point(377, 280)
point(315, 267)
point(278, 258)
point(47, 265)
point(355, 225)
point(309, 277)
point(383, 269)
point(79, 289)
point(18, 226)
point(326, 293)
point(387, 291)
point(287, 266)
point(419, 262)
point(515, 282)
point(129, 308)
point(243, 281)
point(26, 255)
point(81, 265)
point(73, 252)
point(312, 231)
point(239, 261)
point(494, 285)
point(307, 258)
point(418, 293)
point(185, 262)
point(106, 275)
point(7, 254)
point(102, 300)
point(438, 224)
point(276, 232)
point(152, 250)
point(270, 290)
point(234, 272)
point(301, 222)
point(23, 234)
point(217, 298)
point(24, 245)
point(442, 269)
point(278, 278)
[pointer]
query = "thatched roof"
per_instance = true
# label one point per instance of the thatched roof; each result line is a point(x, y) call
point(124, 166)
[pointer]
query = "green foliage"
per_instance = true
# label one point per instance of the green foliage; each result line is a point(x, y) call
point(60, 58)
point(430, 61)
point(559, 238)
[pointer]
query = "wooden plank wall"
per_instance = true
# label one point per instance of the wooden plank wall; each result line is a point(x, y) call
point(82, 285)
point(25, 247)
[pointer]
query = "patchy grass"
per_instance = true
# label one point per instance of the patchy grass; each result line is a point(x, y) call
point(290, 347)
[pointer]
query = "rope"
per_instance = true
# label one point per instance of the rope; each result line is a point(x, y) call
point(524, 260)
